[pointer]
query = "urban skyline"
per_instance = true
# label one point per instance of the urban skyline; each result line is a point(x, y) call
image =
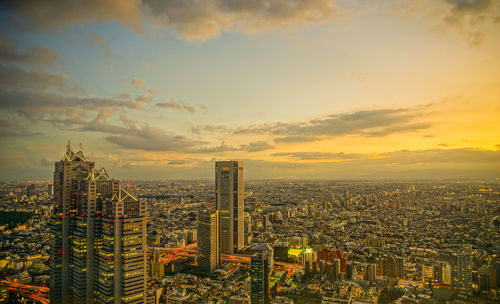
point(86, 239)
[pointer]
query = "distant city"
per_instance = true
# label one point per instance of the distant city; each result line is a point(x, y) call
point(86, 238)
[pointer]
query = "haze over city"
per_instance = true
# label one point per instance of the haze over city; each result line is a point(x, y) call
point(314, 90)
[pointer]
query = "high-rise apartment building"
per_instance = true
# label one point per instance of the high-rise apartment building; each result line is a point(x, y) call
point(260, 278)
point(208, 241)
point(462, 280)
point(229, 192)
point(78, 225)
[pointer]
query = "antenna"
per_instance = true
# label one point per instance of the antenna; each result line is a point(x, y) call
point(81, 147)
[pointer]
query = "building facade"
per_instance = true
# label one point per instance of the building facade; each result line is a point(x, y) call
point(122, 263)
point(462, 280)
point(78, 228)
point(260, 278)
point(229, 193)
point(208, 241)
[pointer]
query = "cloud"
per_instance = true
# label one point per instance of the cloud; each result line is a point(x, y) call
point(255, 146)
point(143, 98)
point(35, 96)
point(9, 52)
point(320, 156)
point(375, 123)
point(12, 127)
point(223, 147)
point(137, 83)
point(179, 162)
point(204, 19)
point(47, 161)
point(101, 42)
point(151, 139)
point(210, 129)
point(460, 157)
point(132, 135)
point(124, 96)
point(193, 19)
point(176, 104)
point(152, 91)
point(398, 165)
point(14, 78)
point(54, 14)
point(404, 157)
point(110, 68)
point(468, 16)
point(55, 108)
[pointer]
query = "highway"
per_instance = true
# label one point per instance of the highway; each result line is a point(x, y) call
point(37, 293)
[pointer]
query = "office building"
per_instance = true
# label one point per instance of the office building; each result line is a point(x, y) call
point(68, 172)
point(85, 237)
point(260, 278)
point(122, 263)
point(229, 193)
point(79, 229)
point(208, 241)
point(281, 251)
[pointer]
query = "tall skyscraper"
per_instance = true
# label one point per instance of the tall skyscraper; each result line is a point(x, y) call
point(229, 192)
point(260, 277)
point(79, 229)
point(208, 241)
point(122, 263)
point(72, 169)
point(85, 227)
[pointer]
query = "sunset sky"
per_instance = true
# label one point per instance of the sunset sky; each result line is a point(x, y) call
point(303, 89)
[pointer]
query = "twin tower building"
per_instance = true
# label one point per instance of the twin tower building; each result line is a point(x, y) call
point(98, 248)
point(98, 237)
point(221, 231)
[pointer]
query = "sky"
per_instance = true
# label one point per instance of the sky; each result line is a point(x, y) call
point(296, 89)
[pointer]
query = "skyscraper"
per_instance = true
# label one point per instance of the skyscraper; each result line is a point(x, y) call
point(229, 191)
point(260, 277)
point(208, 241)
point(122, 263)
point(72, 169)
point(78, 228)
point(85, 227)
